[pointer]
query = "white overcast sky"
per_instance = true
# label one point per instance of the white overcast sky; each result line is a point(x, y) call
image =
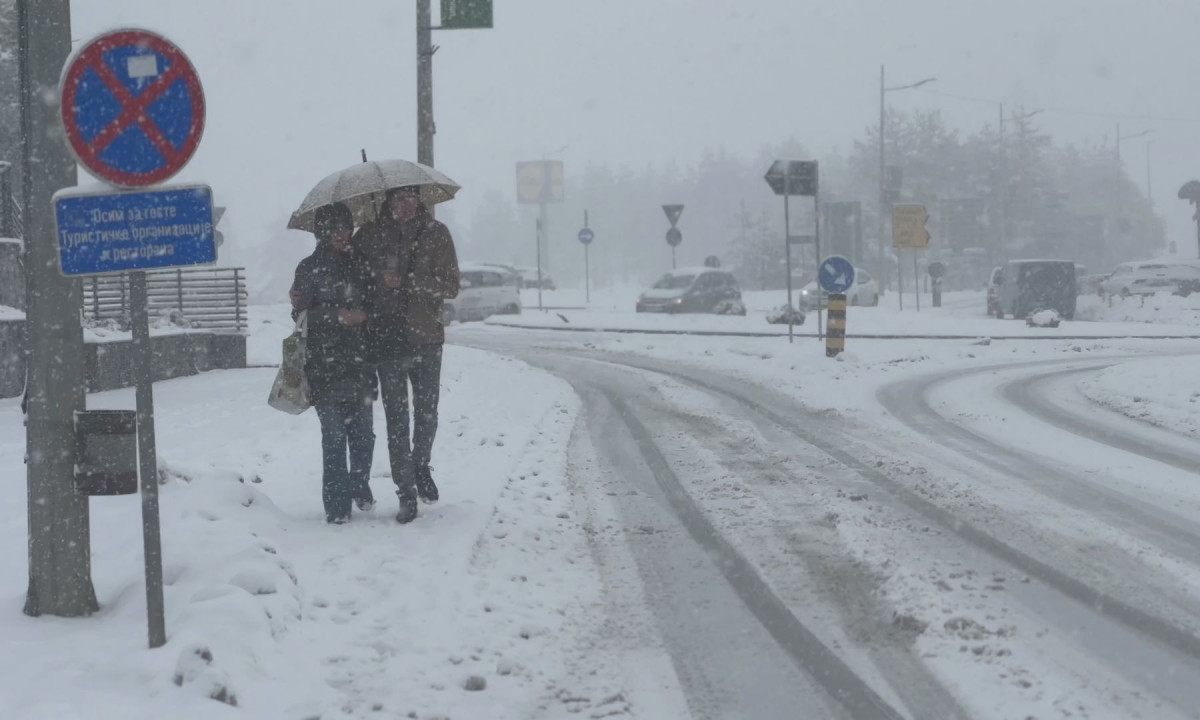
point(296, 87)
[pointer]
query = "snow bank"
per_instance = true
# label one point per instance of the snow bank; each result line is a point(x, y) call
point(1160, 308)
point(1161, 391)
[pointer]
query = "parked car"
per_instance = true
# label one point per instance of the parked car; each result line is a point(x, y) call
point(484, 292)
point(993, 291)
point(1090, 284)
point(530, 278)
point(694, 290)
point(864, 291)
point(512, 275)
point(1026, 286)
point(1148, 278)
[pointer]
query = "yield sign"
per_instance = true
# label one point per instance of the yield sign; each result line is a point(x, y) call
point(132, 108)
point(673, 212)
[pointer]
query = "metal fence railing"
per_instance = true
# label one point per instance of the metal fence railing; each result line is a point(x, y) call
point(198, 298)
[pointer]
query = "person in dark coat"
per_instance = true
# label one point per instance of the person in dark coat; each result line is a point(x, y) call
point(416, 269)
point(335, 287)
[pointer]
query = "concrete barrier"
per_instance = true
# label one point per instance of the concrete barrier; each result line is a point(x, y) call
point(109, 365)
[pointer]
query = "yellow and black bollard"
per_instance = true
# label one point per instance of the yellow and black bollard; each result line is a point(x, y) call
point(835, 329)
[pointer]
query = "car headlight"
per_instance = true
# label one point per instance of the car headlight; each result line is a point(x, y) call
point(803, 292)
point(677, 301)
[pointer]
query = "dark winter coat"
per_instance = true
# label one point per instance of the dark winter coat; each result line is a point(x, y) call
point(422, 252)
point(337, 360)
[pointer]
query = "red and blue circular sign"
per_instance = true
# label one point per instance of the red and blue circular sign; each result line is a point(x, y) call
point(132, 108)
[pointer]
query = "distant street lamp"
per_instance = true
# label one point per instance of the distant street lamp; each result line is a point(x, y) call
point(1117, 224)
point(883, 193)
point(1004, 179)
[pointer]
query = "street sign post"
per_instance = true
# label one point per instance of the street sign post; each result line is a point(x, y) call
point(835, 276)
point(132, 108)
point(541, 182)
point(796, 177)
point(100, 233)
point(936, 272)
point(908, 231)
point(674, 238)
point(586, 236)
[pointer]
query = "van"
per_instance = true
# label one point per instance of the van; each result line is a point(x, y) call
point(1026, 286)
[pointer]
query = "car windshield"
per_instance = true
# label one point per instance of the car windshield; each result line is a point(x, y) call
point(674, 282)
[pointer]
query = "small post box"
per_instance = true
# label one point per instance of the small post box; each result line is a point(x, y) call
point(106, 456)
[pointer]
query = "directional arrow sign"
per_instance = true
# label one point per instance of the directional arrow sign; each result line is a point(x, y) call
point(673, 212)
point(908, 227)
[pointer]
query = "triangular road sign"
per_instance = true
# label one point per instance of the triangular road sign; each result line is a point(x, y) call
point(673, 212)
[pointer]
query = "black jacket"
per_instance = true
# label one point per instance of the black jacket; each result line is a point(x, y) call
point(337, 361)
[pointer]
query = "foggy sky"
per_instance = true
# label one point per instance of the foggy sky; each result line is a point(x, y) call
point(296, 87)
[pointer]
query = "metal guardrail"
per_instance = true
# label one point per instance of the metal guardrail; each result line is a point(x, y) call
point(200, 298)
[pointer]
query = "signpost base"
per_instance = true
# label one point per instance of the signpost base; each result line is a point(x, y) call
point(835, 331)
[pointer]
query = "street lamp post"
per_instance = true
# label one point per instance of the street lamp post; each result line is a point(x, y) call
point(1003, 201)
point(1117, 183)
point(883, 193)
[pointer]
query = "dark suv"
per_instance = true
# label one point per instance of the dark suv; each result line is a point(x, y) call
point(693, 290)
point(1026, 286)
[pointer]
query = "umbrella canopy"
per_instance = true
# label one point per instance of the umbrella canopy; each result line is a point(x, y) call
point(363, 185)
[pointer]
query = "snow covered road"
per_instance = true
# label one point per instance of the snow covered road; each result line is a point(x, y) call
point(999, 581)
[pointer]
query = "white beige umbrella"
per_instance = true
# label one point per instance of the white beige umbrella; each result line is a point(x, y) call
point(362, 188)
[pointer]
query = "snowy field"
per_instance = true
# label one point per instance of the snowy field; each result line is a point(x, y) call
point(478, 609)
point(963, 314)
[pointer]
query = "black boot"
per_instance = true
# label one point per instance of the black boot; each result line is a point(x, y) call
point(408, 505)
point(426, 489)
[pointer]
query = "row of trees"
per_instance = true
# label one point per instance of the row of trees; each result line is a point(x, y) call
point(1035, 197)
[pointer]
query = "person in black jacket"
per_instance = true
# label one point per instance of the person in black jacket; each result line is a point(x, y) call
point(334, 286)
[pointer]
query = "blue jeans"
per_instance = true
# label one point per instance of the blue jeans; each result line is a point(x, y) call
point(422, 367)
point(345, 425)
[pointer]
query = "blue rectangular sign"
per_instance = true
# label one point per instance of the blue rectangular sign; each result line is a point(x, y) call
point(141, 230)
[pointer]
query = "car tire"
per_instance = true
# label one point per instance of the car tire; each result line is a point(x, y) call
point(854, 301)
point(875, 300)
point(512, 309)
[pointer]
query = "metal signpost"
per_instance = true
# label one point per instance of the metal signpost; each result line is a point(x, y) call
point(797, 177)
point(936, 272)
point(908, 231)
point(133, 112)
point(586, 236)
point(539, 183)
point(674, 235)
point(835, 276)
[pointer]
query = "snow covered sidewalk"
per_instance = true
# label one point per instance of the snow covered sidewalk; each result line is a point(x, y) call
point(1162, 391)
point(472, 611)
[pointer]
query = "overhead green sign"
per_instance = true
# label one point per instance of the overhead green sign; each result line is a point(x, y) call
point(466, 14)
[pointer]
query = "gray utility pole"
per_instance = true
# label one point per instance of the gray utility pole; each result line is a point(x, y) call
point(60, 571)
point(425, 51)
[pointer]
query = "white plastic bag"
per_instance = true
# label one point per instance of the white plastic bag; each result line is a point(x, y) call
point(289, 392)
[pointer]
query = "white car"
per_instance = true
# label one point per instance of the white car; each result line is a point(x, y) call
point(1148, 278)
point(485, 290)
point(864, 291)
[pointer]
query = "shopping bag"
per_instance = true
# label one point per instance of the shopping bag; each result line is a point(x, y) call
point(289, 392)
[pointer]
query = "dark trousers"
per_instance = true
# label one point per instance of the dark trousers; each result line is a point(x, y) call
point(422, 367)
point(346, 425)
